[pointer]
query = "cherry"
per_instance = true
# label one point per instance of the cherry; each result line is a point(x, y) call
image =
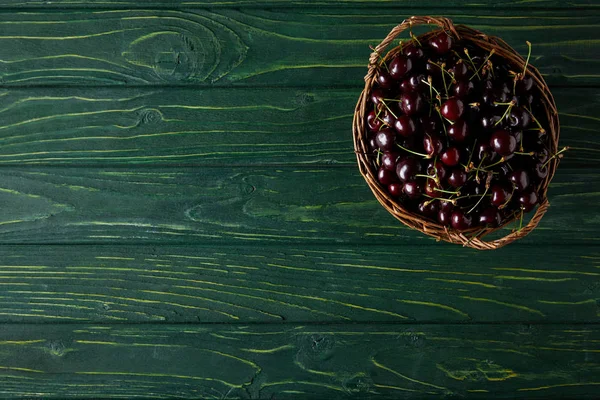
point(457, 178)
point(441, 43)
point(385, 139)
point(528, 200)
point(436, 168)
point(503, 143)
point(411, 103)
point(416, 81)
point(400, 66)
point(413, 52)
point(463, 89)
point(395, 189)
point(378, 96)
point(453, 109)
point(373, 122)
point(525, 84)
point(432, 144)
point(412, 189)
point(460, 70)
point(405, 126)
point(389, 160)
point(499, 195)
point(489, 120)
point(444, 217)
point(386, 177)
point(372, 142)
point(431, 189)
point(542, 155)
point(519, 179)
point(541, 171)
point(451, 156)
point(461, 221)
point(484, 150)
point(407, 168)
point(490, 217)
point(519, 118)
point(458, 131)
point(430, 125)
point(385, 80)
point(428, 208)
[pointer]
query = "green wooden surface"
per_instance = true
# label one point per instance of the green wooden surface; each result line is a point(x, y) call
point(181, 215)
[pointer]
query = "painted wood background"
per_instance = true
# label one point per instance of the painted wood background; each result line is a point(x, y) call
point(181, 215)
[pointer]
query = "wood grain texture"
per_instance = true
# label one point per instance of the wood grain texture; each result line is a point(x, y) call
point(176, 126)
point(220, 205)
point(298, 283)
point(321, 46)
point(293, 362)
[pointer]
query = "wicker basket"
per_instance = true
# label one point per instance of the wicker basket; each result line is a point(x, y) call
point(473, 237)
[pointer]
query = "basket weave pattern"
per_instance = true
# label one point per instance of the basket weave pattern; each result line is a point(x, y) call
point(473, 237)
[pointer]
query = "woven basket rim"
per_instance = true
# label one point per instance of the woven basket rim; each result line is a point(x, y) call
point(474, 237)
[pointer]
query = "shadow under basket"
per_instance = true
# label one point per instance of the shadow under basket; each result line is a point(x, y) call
point(474, 237)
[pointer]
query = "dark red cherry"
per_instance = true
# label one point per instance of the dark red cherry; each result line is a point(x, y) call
point(407, 168)
point(400, 66)
point(490, 217)
point(458, 131)
point(416, 81)
point(385, 139)
point(395, 189)
point(484, 150)
point(489, 120)
point(453, 109)
point(430, 124)
point(413, 190)
point(444, 217)
point(373, 122)
point(431, 189)
point(451, 156)
point(413, 52)
point(436, 168)
point(463, 89)
point(372, 142)
point(499, 195)
point(386, 177)
point(525, 85)
point(384, 80)
point(441, 43)
point(540, 171)
point(528, 200)
point(542, 155)
point(387, 118)
point(428, 208)
point(460, 70)
point(457, 177)
point(378, 96)
point(461, 221)
point(389, 160)
point(503, 143)
point(411, 103)
point(405, 126)
point(519, 118)
point(405, 86)
point(519, 179)
point(432, 144)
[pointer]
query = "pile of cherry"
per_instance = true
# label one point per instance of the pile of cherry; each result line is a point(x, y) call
point(454, 133)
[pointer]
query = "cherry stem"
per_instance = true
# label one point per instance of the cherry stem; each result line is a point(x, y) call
point(487, 187)
point(556, 155)
point(453, 201)
point(379, 153)
point(507, 200)
point(472, 63)
point(391, 112)
point(521, 220)
point(510, 104)
point(427, 156)
point(528, 56)
point(434, 177)
point(482, 64)
point(447, 191)
point(531, 153)
point(429, 83)
point(412, 35)
point(444, 78)
point(479, 168)
point(541, 129)
point(496, 163)
point(442, 118)
point(471, 155)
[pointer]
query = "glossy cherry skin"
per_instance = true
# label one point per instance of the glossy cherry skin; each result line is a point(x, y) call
point(412, 189)
point(378, 96)
point(540, 171)
point(458, 131)
point(463, 89)
point(413, 52)
point(386, 139)
point(441, 43)
point(460, 71)
point(430, 125)
point(371, 141)
point(461, 221)
point(428, 208)
point(519, 118)
point(503, 143)
point(484, 150)
point(500, 195)
point(407, 168)
point(432, 144)
point(528, 200)
point(411, 103)
point(520, 180)
point(453, 109)
point(525, 85)
point(457, 177)
point(436, 168)
point(386, 177)
point(395, 189)
point(385, 80)
point(405, 126)
point(373, 122)
point(451, 156)
point(490, 217)
point(400, 66)
point(389, 160)
point(431, 189)
point(444, 217)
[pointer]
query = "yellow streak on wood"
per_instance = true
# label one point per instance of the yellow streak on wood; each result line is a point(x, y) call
point(430, 304)
point(511, 305)
point(379, 365)
point(560, 385)
point(265, 351)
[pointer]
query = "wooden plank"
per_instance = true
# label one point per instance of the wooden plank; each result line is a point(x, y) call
point(179, 4)
point(318, 46)
point(291, 362)
point(218, 205)
point(175, 126)
point(298, 283)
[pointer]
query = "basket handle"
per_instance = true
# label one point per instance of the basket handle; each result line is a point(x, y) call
point(479, 244)
point(444, 23)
